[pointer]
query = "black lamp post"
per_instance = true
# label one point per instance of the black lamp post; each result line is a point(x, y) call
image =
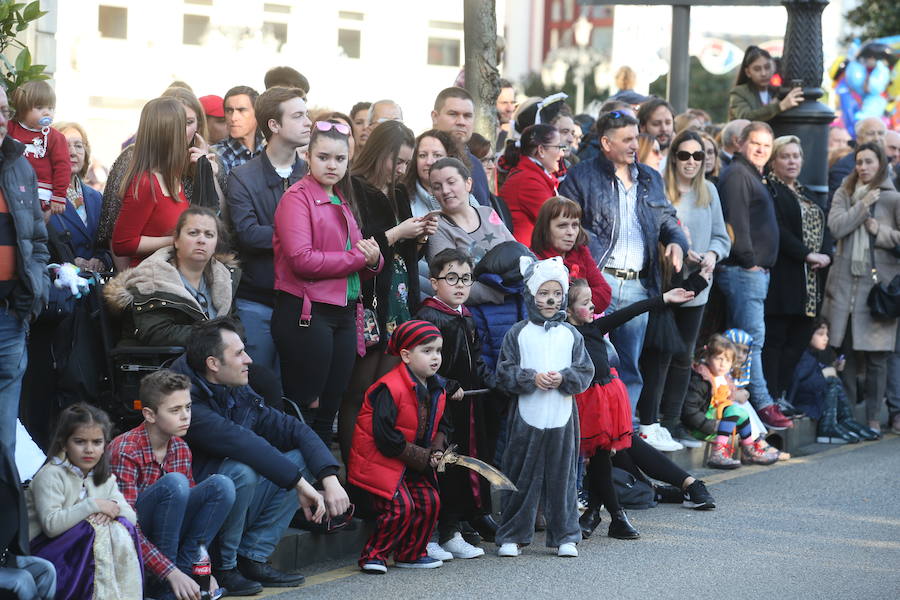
point(803, 62)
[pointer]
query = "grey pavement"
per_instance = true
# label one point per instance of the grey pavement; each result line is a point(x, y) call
point(822, 526)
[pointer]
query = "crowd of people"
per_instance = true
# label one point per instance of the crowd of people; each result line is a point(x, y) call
point(567, 301)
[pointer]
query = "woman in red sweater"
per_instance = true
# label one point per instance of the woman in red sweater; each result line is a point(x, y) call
point(558, 232)
point(151, 191)
point(532, 161)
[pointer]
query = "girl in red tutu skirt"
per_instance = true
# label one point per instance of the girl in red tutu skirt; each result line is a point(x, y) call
point(604, 412)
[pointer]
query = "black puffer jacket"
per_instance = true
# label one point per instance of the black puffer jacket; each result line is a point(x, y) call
point(696, 401)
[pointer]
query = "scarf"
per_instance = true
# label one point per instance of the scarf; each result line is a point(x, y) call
point(859, 239)
point(75, 195)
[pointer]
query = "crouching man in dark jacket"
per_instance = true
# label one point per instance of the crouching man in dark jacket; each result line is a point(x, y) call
point(272, 458)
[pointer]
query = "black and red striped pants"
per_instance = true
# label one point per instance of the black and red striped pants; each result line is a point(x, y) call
point(405, 522)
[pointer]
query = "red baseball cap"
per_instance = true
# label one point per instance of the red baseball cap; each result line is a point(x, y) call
point(213, 106)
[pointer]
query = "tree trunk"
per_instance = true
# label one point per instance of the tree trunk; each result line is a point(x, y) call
point(482, 78)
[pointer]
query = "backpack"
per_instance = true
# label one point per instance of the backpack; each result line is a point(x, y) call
point(632, 492)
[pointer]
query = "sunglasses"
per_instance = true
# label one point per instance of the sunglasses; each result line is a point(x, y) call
point(341, 128)
point(699, 156)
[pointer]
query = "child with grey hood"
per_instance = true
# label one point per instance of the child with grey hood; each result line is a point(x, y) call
point(543, 363)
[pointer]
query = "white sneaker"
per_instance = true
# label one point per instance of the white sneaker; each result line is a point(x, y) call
point(435, 551)
point(659, 438)
point(457, 547)
point(509, 550)
point(567, 550)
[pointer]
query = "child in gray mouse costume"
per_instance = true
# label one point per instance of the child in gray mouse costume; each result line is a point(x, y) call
point(544, 363)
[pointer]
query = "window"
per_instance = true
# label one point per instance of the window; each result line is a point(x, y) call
point(277, 31)
point(350, 41)
point(277, 8)
point(443, 52)
point(195, 29)
point(350, 16)
point(200, 2)
point(455, 26)
point(113, 22)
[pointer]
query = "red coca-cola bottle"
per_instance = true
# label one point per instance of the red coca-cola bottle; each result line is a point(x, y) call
point(202, 571)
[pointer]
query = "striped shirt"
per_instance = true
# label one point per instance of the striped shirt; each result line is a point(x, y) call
point(8, 249)
point(628, 249)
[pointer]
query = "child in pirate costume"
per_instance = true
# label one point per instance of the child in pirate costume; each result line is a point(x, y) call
point(399, 438)
point(543, 363)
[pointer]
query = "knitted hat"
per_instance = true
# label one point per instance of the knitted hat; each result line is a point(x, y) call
point(410, 334)
point(537, 273)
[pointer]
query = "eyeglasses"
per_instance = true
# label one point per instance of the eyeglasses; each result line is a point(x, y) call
point(7, 113)
point(453, 279)
point(699, 156)
point(341, 128)
point(562, 147)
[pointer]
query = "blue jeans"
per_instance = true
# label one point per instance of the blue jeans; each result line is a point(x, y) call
point(13, 360)
point(260, 514)
point(628, 339)
point(257, 321)
point(30, 578)
point(745, 293)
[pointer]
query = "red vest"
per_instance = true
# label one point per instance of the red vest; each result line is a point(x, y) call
point(368, 468)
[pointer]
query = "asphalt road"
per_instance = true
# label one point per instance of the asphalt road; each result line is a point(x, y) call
point(823, 526)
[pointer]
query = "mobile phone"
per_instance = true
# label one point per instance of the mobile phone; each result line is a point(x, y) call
point(432, 215)
point(796, 83)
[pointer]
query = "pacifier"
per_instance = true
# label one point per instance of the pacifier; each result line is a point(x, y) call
point(45, 121)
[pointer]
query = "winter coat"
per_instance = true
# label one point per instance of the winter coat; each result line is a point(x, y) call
point(697, 400)
point(525, 190)
point(787, 282)
point(494, 320)
point(744, 103)
point(254, 190)
point(234, 422)
point(157, 310)
point(81, 236)
point(809, 386)
point(20, 190)
point(838, 173)
point(593, 185)
point(749, 214)
point(845, 295)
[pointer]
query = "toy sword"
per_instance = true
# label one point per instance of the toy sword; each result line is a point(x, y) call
point(495, 476)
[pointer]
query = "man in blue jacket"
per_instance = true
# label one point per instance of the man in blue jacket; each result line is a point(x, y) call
point(254, 190)
point(272, 458)
point(625, 214)
point(24, 283)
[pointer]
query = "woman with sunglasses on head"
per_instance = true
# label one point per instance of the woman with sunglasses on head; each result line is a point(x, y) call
point(321, 261)
point(385, 215)
point(666, 376)
point(532, 161)
point(753, 96)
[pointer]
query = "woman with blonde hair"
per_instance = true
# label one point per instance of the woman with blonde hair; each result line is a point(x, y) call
point(711, 166)
point(666, 375)
point(152, 194)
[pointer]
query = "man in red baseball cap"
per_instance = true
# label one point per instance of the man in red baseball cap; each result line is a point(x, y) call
point(214, 108)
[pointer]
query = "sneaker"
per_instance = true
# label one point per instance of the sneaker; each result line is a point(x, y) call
point(681, 435)
point(423, 562)
point(374, 567)
point(774, 419)
point(668, 494)
point(697, 497)
point(266, 574)
point(509, 549)
point(434, 550)
point(720, 457)
point(659, 438)
point(582, 500)
point(755, 454)
point(567, 550)
point(237, 584)
point(457, 547)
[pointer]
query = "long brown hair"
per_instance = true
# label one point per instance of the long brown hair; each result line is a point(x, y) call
point(159, 146)
point(384, 142)
point(851, 180)
point(698, 183)
point(555, 207)
point(71, 419)
point(452, 149)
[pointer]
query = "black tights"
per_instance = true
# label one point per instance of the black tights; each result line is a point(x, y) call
point(643, 458)
point(600, 484)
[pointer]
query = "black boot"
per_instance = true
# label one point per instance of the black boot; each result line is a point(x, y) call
point(828, 430)
point(845, 418)
point(589, 521)
point(486, 527)
point(620, 528)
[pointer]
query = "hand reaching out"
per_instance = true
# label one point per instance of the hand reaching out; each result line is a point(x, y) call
point(678, 296)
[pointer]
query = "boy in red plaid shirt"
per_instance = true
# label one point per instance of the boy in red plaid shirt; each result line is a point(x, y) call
point(152, 465)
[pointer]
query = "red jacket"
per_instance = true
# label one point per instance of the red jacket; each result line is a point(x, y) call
point(49, 157)
point(369, 469)
point(310, 246)
point(525, 191)
point(582, 265)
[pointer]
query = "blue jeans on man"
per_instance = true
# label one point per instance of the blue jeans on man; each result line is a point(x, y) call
point(745, 293)
point(13, 360)
point(260, 514)
point(257, 320)
point(28, 578)
point(177, 519)
point(628, 339)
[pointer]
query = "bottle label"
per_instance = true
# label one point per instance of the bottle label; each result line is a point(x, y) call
point(202, 569)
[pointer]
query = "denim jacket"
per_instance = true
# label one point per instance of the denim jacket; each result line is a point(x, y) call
point(593, 185)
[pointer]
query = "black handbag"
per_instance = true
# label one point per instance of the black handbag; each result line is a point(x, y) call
point(883, 300)
point(205, 194)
